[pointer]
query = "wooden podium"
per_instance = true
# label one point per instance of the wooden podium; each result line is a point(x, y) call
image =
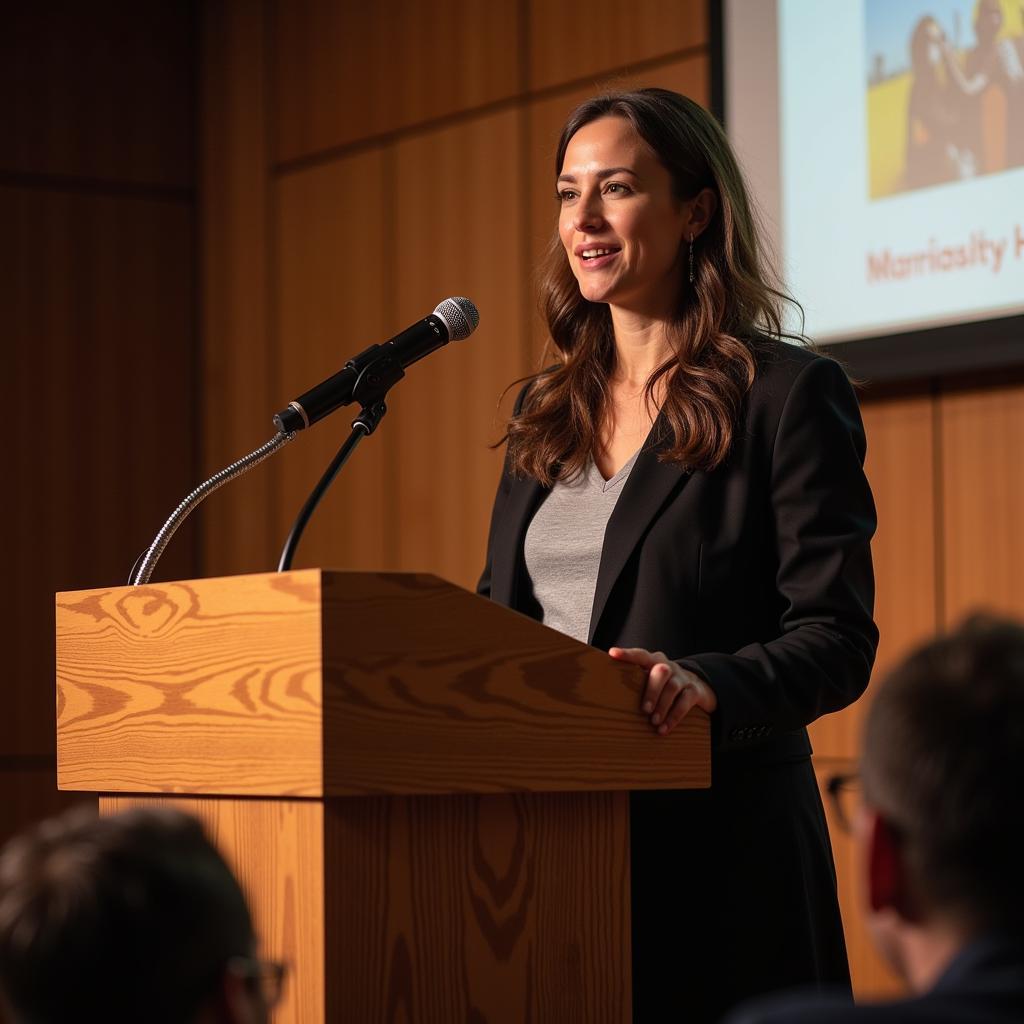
point(423, 793)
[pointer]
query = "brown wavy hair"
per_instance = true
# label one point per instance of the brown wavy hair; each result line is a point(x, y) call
point(735, 299)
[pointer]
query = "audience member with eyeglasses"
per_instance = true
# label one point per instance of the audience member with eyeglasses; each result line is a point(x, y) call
point(130, 918)
point(940, 832)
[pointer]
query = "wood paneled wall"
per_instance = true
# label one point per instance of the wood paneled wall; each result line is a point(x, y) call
point(945, 468)
point(97, 267)
point(981, 441)
point(361, 162)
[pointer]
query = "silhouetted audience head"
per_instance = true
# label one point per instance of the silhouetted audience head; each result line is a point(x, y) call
point(940, 837)
point(943, 777)
point(134, 917)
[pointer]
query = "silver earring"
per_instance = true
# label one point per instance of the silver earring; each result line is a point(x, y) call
point(691, 259)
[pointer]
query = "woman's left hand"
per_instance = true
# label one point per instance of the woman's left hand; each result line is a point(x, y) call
point(670, 691)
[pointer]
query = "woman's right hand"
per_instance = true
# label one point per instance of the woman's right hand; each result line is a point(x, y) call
point(671, 690)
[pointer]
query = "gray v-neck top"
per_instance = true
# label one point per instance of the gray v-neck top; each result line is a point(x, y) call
point(564, 544)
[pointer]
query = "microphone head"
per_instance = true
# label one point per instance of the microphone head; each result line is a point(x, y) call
point(460, 316)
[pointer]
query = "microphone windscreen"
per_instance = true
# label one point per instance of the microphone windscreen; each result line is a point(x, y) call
point(460, 316)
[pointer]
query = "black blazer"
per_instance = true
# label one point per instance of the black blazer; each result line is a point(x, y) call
point(756, 575)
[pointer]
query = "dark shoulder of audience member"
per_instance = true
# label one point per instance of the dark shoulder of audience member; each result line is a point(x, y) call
point(941, 836)
point(942, 760)
point(131, 917)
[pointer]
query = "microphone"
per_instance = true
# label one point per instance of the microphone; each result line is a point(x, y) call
point(454, 319)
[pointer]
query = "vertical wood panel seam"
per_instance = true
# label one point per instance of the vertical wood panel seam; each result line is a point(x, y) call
point(389, 268)
point(526, 197)
point(716, 59)
point(938, 506)
point(525, 52)
point(272, 352)
point(199, 426)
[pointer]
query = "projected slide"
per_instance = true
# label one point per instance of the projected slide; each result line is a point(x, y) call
point(943, 100)
point(898, 196)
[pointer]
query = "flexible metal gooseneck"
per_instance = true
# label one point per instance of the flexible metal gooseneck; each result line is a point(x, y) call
point(204, 490)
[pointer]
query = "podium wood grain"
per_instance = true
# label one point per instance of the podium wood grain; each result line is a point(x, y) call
point(191, 687)
point(435, 703)
point(449, 834)
point(478, 908)
point(486, 908)
point(230, 686)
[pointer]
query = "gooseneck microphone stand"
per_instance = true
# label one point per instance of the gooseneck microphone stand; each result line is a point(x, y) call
point(146, 562)
point(370, 389)
point(365, 379)
point(376, 377)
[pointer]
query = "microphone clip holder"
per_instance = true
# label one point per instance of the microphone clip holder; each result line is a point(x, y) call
point(375, 379)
